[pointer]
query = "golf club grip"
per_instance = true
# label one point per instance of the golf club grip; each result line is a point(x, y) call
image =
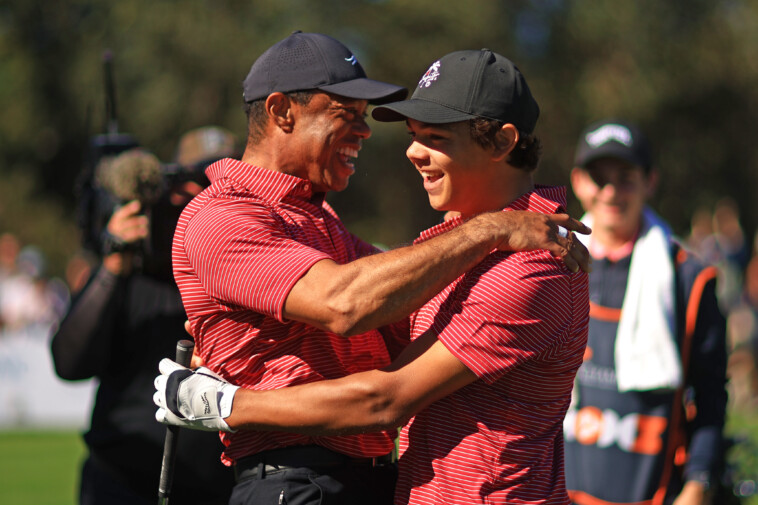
point(184, 350)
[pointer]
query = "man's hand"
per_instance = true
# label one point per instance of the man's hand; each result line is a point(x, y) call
point(527, 231)
point(199, 400)
point(126, 226)
point(693, 493)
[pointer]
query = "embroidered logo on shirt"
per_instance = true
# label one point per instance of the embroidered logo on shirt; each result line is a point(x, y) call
point(430, 76)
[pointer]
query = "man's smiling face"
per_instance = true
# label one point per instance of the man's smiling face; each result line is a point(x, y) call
point(330, 129)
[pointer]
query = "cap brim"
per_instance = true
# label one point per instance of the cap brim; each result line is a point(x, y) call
point(376, 92)
point(420, 110)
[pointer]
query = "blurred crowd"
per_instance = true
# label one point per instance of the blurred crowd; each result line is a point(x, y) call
point(717, 235)
point(31, 300)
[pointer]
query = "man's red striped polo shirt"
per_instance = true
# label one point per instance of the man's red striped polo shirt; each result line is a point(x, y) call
point(239, 247)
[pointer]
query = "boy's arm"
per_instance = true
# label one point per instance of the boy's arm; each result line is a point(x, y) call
point(364, 402)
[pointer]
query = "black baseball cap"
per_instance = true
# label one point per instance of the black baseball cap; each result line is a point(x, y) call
point(306, 61)
point(612, 138)
point(464, 85)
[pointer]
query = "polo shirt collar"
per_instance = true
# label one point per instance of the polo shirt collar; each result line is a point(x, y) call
point(267, 184)
point(543, 199)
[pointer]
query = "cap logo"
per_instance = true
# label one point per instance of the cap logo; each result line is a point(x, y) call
point(606, 133)
point(351, 60)
point(430, 76)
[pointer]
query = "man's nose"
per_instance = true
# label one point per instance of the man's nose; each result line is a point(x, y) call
point(361, 128)
point(610, 188)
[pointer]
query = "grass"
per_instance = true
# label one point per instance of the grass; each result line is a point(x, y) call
point(742, 425)
point(40, 467)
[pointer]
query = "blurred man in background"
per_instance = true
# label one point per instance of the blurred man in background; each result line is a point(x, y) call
point(647, 418)
point(130, 315)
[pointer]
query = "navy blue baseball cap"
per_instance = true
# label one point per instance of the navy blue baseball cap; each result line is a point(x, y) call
point(464, 85)
point(611, 138)
point(306, 61)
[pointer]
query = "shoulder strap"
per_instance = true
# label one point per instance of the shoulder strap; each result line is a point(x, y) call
point(676, 446)
point(691, 310)
point(682, 410)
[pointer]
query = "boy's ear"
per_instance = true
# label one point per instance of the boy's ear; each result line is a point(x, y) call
point(506, 139)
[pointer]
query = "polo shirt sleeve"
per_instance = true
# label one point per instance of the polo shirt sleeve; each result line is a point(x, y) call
point(503, 314)
point(244, 258)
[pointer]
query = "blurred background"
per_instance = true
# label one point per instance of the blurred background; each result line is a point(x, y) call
point(685, 71)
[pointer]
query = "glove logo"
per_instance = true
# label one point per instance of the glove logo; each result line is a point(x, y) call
point(206, 403)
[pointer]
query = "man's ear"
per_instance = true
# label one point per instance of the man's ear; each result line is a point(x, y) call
point(583, 186)
point(279, 111)
point(506, 139)
point(577, 174)
point(652, 183)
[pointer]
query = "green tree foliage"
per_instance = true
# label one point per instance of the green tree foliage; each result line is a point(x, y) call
point(685, 70)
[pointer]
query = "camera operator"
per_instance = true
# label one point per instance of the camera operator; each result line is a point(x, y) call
point(126, 319)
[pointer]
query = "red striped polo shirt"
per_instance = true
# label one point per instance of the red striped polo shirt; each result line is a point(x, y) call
point(519, 322)
point(239, 247)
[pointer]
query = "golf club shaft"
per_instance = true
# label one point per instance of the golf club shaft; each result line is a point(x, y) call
point(184, 350)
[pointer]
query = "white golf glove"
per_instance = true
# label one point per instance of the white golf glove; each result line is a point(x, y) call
point(199, 400)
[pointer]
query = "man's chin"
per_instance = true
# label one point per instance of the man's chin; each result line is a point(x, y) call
point(338, 186)
point(342, 185)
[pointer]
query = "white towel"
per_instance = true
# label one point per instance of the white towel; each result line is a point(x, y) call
point(646, 353)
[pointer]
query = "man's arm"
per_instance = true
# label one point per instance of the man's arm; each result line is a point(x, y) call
point(380, 289)
point(364, 402)
point(82, 345)
point(707, 376)
point(359, 403)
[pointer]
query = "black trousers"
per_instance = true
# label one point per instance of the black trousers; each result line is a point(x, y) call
point(346, 485)
point(99, 487)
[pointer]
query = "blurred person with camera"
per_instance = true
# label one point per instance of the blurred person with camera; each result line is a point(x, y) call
point(128, 316)
point(645, 425)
